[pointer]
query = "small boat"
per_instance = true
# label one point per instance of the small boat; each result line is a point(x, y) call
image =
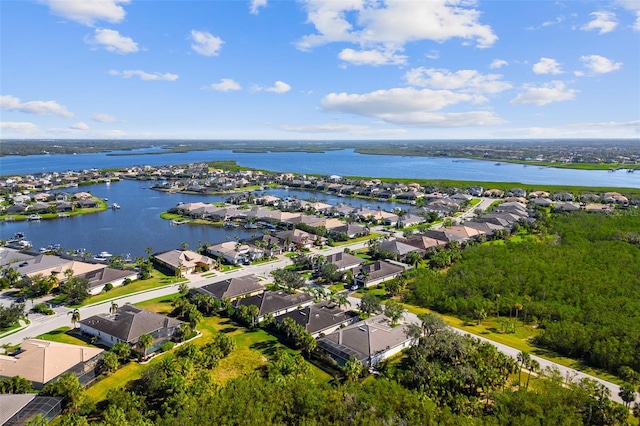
point(498, 164)
point(105, 199)
point(115, 206)
point(250, 226)
point(178, 222)
point(34, 218)
point(103, 256)
point(230, 225)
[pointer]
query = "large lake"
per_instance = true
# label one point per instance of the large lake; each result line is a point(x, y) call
point(137, 225)
point(342, 162)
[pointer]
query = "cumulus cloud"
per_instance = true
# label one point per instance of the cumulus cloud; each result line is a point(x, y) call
point(602, 21)
point(80, 126)
point(19, 127)
point(468, 81)
point(371, 57)
point(278, 87)
point(225, 85)
point(103, 118)
point(547, 66)
point(555, 91)
point(599, 64)
point(11, 103)
point(256, 5)
point(498, 63)
point(386, 26)
point(205, 44)
point(410, 106)
point(87, 12)
point(112, 41)
point(144, 75)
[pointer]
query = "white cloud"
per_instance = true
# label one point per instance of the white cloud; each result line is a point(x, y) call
point(547, 66)
point(547, 93)
point(278, 87)
point(556, 21)
point(225, 85)
point(578, 73)
point(87, 12)
point(433, 54)
point(256, 5)
point(112, 41)
point(498, 63)
point(371, 57)
point(412, 107)
point(463, 80)
point(206, 44)
point(144, 75)
point(104, 118)
point(80, 126)
point(634, 123)
point(19, 127)
point(393, 101)
point(353, 129)
point(603, 21)
point(11, 103)
point(386, 26)
point(599, 64)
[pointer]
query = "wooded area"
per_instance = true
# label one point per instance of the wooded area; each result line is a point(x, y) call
point(579, 282)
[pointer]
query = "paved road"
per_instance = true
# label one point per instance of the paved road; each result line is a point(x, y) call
point(43, 324)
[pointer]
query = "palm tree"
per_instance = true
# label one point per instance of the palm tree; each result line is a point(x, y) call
point(533, 367)
point(114, 308)
point(352, 369)
point(75, 317)
point(523, 358)
point(339, 299)
point(144, 342)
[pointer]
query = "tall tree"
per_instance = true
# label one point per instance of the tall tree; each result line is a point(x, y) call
point(75, 317)
point(394, 311)
point(144, 342)
point(370, 304)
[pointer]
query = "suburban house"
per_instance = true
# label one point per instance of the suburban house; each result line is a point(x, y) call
point(378, 272)
point(399, 249)
point(351, 230)
point(344, 261)
point(233, 288)
point(369, 341)
point(299, 238)
point(187, 261)
point(127, 324)
point(99, 278)
point(409, 220)
point(230, 251)
point(18, 409)
point(97, 274)
point(276, 302)
point(41, 361)
point(320, 318)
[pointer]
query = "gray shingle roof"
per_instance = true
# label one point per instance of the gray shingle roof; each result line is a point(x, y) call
point(319, 317)
point(274, 301)
point(232, 287)
point(129, 323)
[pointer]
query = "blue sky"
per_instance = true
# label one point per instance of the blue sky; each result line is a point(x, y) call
point(310, 69)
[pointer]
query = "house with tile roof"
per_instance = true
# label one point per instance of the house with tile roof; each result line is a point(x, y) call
point(188, 261)
point(41, 361)
point(127, 324)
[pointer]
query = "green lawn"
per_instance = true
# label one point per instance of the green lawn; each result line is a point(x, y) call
point(357, 240)
point(520, 340)
point(158, 279)
point(63, 335)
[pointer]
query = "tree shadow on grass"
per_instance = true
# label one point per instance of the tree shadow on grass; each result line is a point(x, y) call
point(228, 330)
point(267, 348)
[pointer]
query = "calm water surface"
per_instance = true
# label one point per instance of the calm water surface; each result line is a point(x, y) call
point(137, 225)
point(343, 162)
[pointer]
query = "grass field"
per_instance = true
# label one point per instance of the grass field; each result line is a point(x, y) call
point(158, 279)
point(63, 335)
point(253, 349)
